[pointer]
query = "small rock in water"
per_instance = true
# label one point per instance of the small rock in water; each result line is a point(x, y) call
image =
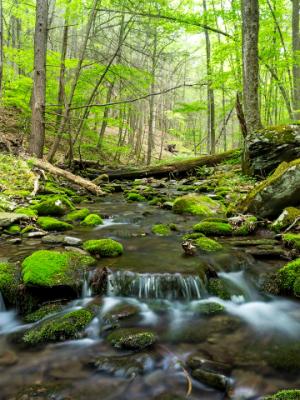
point(15, 241)
point(188, 248)
point(53, 239)
point(36, 234)
point(72, 241)
point(8, 358)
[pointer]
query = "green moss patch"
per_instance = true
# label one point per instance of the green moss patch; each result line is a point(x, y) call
point(132, 338)
point(198, 205)
point(104, 247)
point(209, 308)
point(42, 312)
point(53, 268)
point(213, 228)
point(285, 395)
point(161, 229)
point(9, 280)
point(92, 220)
point(217, 288)
point(132, 196)
point(286, 219)
point(292, 240)
point(30, 212)
point(53, 224)
point(77, 215)
point(61, 328)
point(289, 278)
point(54, 206)
point(208, 245)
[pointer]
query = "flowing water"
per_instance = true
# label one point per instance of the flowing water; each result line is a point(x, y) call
point(167, 292)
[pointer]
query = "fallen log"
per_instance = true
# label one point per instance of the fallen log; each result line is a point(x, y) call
point(78, 180)
point(178, 168)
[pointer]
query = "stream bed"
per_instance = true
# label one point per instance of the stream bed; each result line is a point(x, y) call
point(247, 342)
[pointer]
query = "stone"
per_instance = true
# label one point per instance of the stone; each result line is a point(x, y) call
point(286, 219)
point(198, 205)
point(8, 218)
point(131, 338)
point(8, 358)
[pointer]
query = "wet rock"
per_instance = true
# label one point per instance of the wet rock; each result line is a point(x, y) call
point(8, 358)
point(271, 146)
point(167, 205)
point(132, 338)
point(53, 224)
point(72, 241)
point(292, 241)
point(42, 312)
point(15, 241)
point(53, 239)
point(77, 215)
point(288, 217)
point(213, 228)
point(121, 311)
point(92, 220)
point(8, 218)
point(99, 281)
point(288, 278)
point(198, 205)
point(169, 396)
point(208, 308)
point(9, 281)
point(217, 288)
point(266, 251)
point(36, 234)
point(207, 245)
point(253, 242)
point(212, 379)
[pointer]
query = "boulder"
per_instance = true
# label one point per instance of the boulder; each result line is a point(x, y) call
point(7, 218)
point(271, 196)
point(132, 338)
point(271, 146)
point(198, 205)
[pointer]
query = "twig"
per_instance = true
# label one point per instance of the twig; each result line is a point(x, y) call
point(293, 224)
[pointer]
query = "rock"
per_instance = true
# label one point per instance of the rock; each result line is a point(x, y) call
point(72, 241)
point(271, 146)
point(36, 234)
point(77, 215)
point(121, 311)
point(208, 308)
point(54, 205)
point(101, 178)
point(53, 224)
point(292, 240)
point(53, 239)
point(15, 241)
point(266, 251)
point(167, 205)
point(253, 242)
point(217, 288)
point(207, 245)
point(42, 312)
point(212, 379)
point(280, 190)
point(99, 281)
point(286, 219)
point(161, 230)
point(8, 218)
point(243, 225)
point(9, 281)
point(132, 338)
point(198, 205)
point(213, 228)
point(104, 247)
point(132, 197)
point(92, 220)
point(284, 395)
point(8, 358)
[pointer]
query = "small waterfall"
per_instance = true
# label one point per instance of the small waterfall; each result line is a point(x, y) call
point(156, 286)
point(2, 304)
point(86, 289)
point(238, 281)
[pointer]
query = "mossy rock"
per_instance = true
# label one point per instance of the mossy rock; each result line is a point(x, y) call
point(9, 218)
point(216, 287)
point(67, 326)
point(292, 240)
point(284, 357)
point(53, 224)
point(92, 220)
point(30, 212)
point(42, 312)
point(132, 338)
point(54, 206)
point(9, 281)
point(104, 247)
point(161, 230)
point(121, 311)
point(289, 278)
point(132, 196)
point(77, 215)
point(198, 205)
point(208, 245)
point(13, 230)
point(209, 308)
point(48, 268)
point(284, 395)
point(193, 236)
point(214, 228)
point(286, 219)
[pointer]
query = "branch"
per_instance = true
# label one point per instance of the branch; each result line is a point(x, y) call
point(168, 18)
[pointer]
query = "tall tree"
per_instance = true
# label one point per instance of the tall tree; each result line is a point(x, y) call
point(37, 136)
point(296, 59)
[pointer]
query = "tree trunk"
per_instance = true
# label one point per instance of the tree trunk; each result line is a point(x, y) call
point(37, 137)
point(1, 48)
point(296, 62)
point(250, 13)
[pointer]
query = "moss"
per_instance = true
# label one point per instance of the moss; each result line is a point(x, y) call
point(16, 193)
point(42, 312)
point(285, 395)
point(132, 196)
point(27, 229)
point(9, 280)
point(30, 212)
point(286, 218)
point(284, 357)
point(92, 220)
point(217, 288)
point(53, 224)
point(247, 226)
point(292, 240)
point(132, 338)
point(13, 230)
point(104, 247)
point(160, 229)
point(54, 205)
point(193, 236)
point(155, 201)
point(289, 277)
point(53, 188)
point(208, 245)
point(197, 205)
point(15, 174)
point(213, 228)
point(53, 268)
point(64, 327)
point(281, 134)
point(77, 215)
point(209, 308)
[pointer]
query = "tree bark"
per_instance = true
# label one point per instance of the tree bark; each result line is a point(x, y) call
point(37, 137)
point(296, 61)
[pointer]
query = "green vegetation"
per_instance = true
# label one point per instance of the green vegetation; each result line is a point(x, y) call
point(285, 395)
point(30, 212)
point(53, 224)
point(292, 240)
point(209, 308)
point(54, 206)
point(53, 268)
point(208, 245)
point(289, 278)
point(104, 247)
point(9, 281)
point(131, 338)
point(160, 229)
point(42, 312)
point(198, 205)
point(77, 215)
point(132, 196)
point(286, 219)
point(217, 288)
point(213, 228)
point(92, 220)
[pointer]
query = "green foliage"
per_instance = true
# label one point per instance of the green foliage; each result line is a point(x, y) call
point(289, 276)
point(161, 230)
point(131, 196)
point(53, 224)
point(197, 205)
point(77, 215)
point(292, 240)
point(104, 247)
point(285, 395)
point(54, 205)
point(213, 228)
point(92, 220)
point(208, 245)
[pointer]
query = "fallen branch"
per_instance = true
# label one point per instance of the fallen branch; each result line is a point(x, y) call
point(78, 180)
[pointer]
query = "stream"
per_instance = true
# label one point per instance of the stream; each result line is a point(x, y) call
point(163, 285)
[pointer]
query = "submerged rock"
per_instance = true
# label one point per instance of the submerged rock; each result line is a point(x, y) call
point(280, 190)
point(198, 205)
point(132, 338)
point(271, 146)
point(161, 230)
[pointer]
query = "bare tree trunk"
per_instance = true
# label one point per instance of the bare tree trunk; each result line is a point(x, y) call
point(37, 137)
point(296, 63)
point(1, 48)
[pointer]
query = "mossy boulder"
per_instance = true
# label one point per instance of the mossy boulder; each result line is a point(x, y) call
point(46, 268)
point(43, 312)
point(216, 287)
point(289, 278)
point(132, 338)
point(213, 228)
point(54, 206)
point(286, 219)
point(161, 230)
point(198, 205)
point(208, 245)
point(92, 220)
point(9, 281)
point(30, 212)
point(53, 224)
point(67, 326)
point(284, 357)
point(208, 308)
point(270, 146)
point(285, 395)
point(292, 240)
point(278, 191)
point(104, 247)
point(132, 196)
point(9, 218)
point(13, 230)
point(77, 215)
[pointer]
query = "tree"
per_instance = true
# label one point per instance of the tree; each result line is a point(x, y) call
point(37, 137)
point(296, 59)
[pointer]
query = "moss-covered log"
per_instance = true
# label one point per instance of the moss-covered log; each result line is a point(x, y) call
point(177, 168)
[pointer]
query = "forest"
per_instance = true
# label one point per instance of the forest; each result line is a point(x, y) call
point(150, 199)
